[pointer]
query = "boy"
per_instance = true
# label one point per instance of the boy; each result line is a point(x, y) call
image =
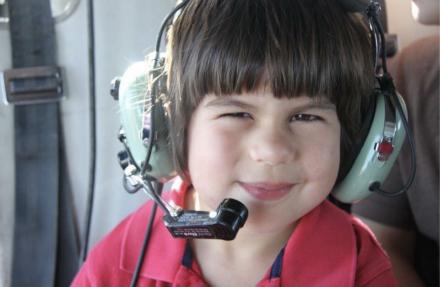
point(265, 101)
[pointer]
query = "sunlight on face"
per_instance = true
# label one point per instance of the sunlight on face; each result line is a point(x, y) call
point(280, 157)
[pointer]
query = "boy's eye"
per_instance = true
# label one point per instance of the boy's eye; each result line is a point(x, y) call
point(305, 118)
point(237, 115)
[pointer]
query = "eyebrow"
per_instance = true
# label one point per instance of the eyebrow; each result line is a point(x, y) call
point(318, 103)
point(227, 102)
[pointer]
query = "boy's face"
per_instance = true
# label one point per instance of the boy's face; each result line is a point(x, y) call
point(280, 157)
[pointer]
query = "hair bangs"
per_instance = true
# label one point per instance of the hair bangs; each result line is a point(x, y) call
point(300, 52)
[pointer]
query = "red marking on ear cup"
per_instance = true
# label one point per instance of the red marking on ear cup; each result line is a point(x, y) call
point(385, 149)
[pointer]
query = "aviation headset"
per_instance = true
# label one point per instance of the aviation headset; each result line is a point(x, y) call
point(144, 132)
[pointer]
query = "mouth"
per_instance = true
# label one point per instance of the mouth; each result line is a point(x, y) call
point(267, 191)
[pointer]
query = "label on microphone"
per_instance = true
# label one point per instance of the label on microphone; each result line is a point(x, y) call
point(231, 215)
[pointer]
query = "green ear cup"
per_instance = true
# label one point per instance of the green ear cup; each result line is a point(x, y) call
point(132, 90)
point(367, 168)
point(135, 112)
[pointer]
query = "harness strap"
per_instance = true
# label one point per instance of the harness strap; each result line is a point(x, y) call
point(36, 151)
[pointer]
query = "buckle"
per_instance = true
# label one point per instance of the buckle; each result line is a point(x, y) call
point(32, 85)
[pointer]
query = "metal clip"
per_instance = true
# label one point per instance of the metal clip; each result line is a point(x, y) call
point(33, 85)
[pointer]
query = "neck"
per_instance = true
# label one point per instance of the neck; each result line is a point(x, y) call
point(245, 259)
point(253, 243)
point(249, 240)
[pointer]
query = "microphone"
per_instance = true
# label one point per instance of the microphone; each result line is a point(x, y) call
point(223, 223)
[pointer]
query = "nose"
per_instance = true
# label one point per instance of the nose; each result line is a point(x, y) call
point(273, 147)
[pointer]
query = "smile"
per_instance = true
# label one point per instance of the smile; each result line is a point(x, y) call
point(267, 191)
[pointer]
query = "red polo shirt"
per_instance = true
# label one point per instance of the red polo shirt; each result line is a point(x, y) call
point(327, 248)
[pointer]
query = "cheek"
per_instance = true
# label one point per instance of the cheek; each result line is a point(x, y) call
point(211, 163)
point(209, 148)
point(211, 155)
point(323, 159)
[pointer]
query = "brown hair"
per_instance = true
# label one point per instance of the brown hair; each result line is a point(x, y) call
point(296, 46)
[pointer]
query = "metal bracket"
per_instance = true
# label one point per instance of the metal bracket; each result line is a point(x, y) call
point(32, 85)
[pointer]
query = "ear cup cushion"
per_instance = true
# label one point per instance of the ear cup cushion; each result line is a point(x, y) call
point(351, 149)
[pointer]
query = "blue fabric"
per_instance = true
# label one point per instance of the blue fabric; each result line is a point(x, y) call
point(187, 257)
point(277, 266)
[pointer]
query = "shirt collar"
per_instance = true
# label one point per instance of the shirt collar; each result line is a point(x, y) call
point(325, 230)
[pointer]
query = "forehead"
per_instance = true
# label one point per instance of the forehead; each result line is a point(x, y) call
point(264, 97)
